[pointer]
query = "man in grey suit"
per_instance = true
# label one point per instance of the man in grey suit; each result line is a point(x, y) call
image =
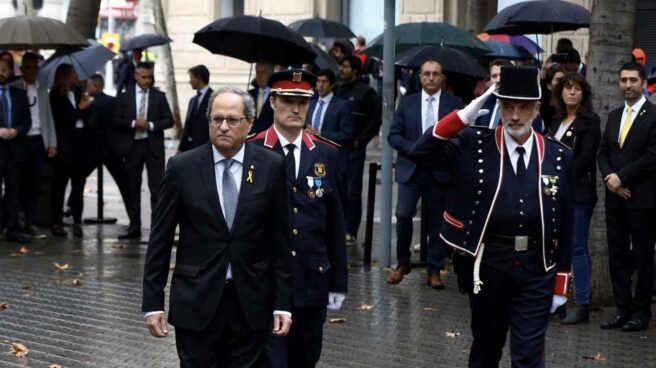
point(41, 142)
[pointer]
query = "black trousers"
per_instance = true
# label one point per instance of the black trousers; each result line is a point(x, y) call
point(31, 177)
point(74, 167)
point(10, 176)
point(141, 156)
point(631, 250)
point(228, 342)
point(516, 294)
point(301, 348)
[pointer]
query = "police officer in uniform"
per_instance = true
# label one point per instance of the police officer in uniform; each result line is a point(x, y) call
point(317, 230)
point(509, 217)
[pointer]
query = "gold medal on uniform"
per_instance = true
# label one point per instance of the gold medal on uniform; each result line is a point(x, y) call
point(320, 169)
point(310, 183)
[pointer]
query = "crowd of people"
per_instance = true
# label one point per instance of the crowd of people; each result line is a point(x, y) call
point(509, 181)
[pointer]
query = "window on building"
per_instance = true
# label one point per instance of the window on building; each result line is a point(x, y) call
point(229, 8)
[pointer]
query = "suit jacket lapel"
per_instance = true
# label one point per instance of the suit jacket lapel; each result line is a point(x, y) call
point(308, 158)
point(246, 188)
point(208, 177)
point(636, 122)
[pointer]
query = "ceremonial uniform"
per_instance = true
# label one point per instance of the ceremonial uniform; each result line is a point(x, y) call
point(318, 247)
point(509, 216)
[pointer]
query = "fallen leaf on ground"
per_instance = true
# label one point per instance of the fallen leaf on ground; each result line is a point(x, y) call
point(599, 357)
point(366, 306)
point(119, 246)
point(452, 334)
point(81, 274)
point(18, 350)
point(444, 272)
point(77, 282)
point(61, 267)
point(23, 250)
point(337, 320)
point(430, 309)
point(4, 305)
point(77, 251)
point(26, 286)
point(55, 366)
point(387, 269)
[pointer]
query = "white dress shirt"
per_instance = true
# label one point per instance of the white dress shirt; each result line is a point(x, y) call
point(32, 97)
point(297, 151)
point(424, 106)
point(636, 108)
point(326, 101)
point(512, 149)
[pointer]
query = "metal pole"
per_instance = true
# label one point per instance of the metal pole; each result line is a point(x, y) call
point(388, 113)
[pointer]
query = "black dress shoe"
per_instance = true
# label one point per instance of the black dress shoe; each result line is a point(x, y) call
point(77, 231)
point(616, 322)
point(58, 230)
point(17, 237)
point(131, 234)
point(635, 325)
point(579, 314)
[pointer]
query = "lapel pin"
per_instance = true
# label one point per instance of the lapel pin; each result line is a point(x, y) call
point(249, 178)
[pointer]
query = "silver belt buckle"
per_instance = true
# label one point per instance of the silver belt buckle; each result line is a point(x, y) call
point(521, 243)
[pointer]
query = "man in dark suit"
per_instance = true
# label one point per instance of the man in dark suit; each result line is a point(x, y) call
point(319, 269)
point(232, 273)
point(142, 114)
point(101, 122)
point(15, 122)
point(509, 217)
point(627, 162)
point(126, 72)
point(260, 94)
point(195, 131)
point(416, 114)
point(366, 112)
point(330, 117)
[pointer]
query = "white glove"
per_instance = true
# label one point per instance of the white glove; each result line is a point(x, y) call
point(471, 112)
point(335, 300)
point(557, 301)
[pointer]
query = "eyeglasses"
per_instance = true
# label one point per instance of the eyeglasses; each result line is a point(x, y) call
point(233, 121)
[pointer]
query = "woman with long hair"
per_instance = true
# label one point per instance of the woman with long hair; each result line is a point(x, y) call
point(577, 126)
point(66, 103)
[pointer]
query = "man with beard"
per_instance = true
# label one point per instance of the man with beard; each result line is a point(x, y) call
point(509, 217)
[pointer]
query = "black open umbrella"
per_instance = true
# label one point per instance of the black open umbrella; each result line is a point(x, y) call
point(254, 39)
point(539, 16)
point(321, 28)
point(30, 32)
point(323, 60)
point(452, 60)
point(86, 62)
point(145, 41)
point(507, 51)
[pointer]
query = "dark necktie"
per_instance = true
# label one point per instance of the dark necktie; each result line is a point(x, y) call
point(230, 193)
point(4, 107)
point(290, 163)
point(521, 166)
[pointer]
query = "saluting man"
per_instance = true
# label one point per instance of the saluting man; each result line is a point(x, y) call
point(509, 218)
point(316, 220)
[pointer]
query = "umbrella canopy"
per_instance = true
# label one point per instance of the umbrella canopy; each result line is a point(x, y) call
point(323, 60)
point(145, 41)
point(507, 51)
point(452, 61)
point(539, 16)
point(409, 35)
point(31, 32)
point(254, 39)
point(518, 40)
point(86, 62)
point(321, 28)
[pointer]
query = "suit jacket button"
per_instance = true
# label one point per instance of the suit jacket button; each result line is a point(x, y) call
point(295, 209)
point(293, 253)
point(294, 189)
point(558, 167)
point(470, 222)
point(295, 232)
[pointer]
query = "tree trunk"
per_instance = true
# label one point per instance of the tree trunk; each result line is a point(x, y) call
point(169, 71)
point(83, 16)
point(611, 41)
point(479, 13)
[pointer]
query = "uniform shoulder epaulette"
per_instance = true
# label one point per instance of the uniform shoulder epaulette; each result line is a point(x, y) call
point(254, 136)
point(317, 137)
point(552, 139)
point(480, 127)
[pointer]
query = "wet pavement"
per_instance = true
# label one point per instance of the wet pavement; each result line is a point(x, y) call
point(76, 303)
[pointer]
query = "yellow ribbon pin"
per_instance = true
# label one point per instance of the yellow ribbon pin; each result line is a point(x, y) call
point(249, 178)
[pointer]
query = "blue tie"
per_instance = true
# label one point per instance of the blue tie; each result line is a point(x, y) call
point(317, 118)
point(4, 107)
point(429, 119)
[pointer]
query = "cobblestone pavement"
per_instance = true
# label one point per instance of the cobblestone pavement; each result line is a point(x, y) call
point(98, 323)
